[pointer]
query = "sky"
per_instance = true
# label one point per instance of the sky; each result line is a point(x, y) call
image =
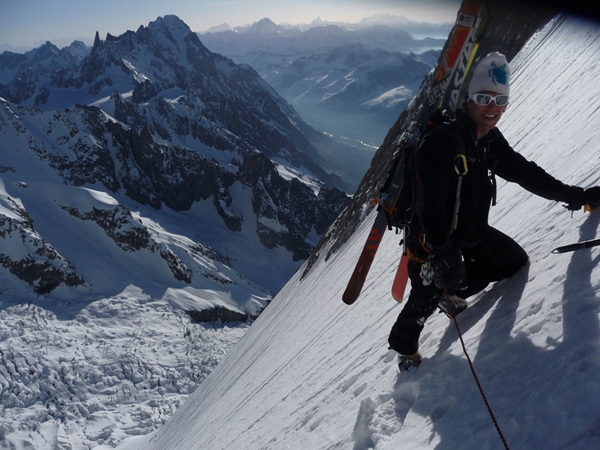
point(25, 24)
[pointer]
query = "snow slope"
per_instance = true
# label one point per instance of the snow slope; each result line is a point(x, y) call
point(313, 373)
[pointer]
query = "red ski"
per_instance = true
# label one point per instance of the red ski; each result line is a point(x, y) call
point(357, 280)
point(457, 54)
point(401, 279)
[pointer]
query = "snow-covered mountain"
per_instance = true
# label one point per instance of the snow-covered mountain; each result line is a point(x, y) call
point(153, 120)
point(147, 186)
point(315, 373)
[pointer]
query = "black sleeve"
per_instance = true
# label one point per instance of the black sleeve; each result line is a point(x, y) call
point(512, 166)
point(434, 162)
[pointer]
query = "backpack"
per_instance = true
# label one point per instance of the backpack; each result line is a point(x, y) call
point(397, 194)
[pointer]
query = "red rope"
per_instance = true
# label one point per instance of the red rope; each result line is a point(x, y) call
point(479, 385)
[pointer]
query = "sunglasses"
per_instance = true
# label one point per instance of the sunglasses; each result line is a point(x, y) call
point(486, 99)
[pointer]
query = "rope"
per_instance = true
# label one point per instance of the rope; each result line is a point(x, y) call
point(489, 408)
point(451, 314)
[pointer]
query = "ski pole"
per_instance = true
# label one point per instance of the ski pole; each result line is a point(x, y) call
point(577, 246)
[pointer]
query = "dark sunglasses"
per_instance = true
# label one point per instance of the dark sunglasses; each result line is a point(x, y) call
point(485, 99)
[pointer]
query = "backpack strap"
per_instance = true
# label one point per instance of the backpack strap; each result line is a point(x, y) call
point(461, 168)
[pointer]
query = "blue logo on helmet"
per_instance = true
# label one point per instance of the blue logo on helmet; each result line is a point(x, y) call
point(498, 74)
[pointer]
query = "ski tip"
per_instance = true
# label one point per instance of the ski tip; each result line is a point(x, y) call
point(348, 300)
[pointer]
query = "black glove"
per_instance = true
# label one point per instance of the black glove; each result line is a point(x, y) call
point(573, 196)
point(446, 271)
point(592, 197)
point(576, 197)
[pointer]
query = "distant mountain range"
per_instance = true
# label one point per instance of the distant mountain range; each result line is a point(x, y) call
point(394, 33)
point(351, 81)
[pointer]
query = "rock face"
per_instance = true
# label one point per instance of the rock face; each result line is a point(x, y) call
point(153, 118)
point(28, 256)
point(218, 314)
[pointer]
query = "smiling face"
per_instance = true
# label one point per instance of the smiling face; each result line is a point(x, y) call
point(486, 116)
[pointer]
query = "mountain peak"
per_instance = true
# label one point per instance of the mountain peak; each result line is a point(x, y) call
point(264, 26)
point(219, 28)
point(46, 50)
point(171, 22)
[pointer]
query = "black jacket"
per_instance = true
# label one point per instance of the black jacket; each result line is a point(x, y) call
point(487, 158)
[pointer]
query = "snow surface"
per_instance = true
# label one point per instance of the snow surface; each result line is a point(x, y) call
point(313, 373)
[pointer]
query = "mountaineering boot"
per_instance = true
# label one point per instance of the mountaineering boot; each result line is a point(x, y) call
point(407, 362)
point(452, 305)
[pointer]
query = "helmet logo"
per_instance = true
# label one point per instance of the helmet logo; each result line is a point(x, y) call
point(498, 74)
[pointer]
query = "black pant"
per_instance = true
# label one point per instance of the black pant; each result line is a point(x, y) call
point(492, 258)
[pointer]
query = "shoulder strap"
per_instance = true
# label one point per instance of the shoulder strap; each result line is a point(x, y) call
point(461, 167)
